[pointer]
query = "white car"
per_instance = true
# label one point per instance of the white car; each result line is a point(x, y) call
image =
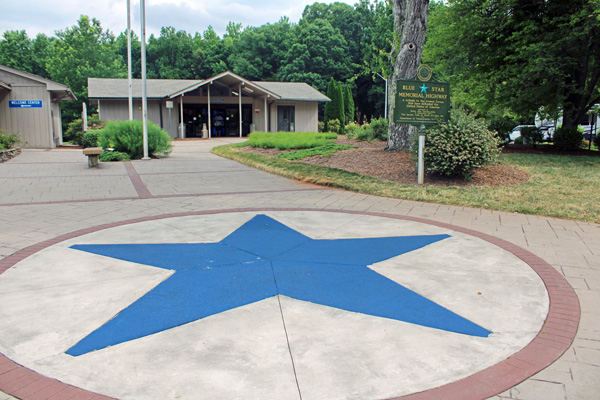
point(547, 132)
point(516, 132)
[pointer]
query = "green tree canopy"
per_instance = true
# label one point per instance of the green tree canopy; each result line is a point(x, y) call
point(520, 54)
point(82, 51)
point(19, 52)
point(318, 53)
point(171, 55)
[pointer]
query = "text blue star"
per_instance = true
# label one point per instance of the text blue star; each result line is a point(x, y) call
point(261, 259)
point(424, 89)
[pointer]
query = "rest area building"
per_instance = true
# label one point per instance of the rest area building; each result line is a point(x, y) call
point(224, 105)
point(30, 107)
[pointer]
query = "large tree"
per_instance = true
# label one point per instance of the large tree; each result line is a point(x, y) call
point(171, 55)
point(19, 52)
point(520, 55)
point(83, 51)
point(410, 24)
point(318, 52)
point(261, 50)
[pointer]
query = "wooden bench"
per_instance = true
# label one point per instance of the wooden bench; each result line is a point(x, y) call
point(92, 153)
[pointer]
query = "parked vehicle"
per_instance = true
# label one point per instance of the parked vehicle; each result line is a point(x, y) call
point(516, 132)
point(547, 132)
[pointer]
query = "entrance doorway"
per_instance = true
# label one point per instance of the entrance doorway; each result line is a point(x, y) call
point(286, 118)
point(225, 120)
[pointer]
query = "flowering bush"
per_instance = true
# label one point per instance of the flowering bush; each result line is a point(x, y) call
point(460, 145)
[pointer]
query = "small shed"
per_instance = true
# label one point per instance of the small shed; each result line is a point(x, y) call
point(30, 107)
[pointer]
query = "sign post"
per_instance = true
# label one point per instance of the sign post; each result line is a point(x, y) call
point(421, 102)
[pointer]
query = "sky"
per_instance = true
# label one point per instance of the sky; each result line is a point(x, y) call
point(49, 16)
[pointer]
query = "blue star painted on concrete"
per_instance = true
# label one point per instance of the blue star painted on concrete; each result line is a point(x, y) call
point(424, 89)
point(261, 259)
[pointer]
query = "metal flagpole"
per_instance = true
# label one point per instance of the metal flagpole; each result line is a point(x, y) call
point(129, 59)
point(144, 97)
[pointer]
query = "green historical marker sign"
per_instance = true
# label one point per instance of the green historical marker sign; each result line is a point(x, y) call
point(421, 102)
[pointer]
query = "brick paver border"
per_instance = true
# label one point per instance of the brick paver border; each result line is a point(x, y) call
point(555, 337)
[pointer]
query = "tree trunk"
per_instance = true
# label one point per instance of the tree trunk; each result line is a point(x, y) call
point(410, 22)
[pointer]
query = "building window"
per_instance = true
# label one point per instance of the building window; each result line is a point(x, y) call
point(286, 118)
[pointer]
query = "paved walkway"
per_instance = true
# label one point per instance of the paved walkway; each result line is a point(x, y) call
point(50, 200)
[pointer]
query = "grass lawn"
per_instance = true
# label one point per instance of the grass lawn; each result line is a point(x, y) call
point(559, 186)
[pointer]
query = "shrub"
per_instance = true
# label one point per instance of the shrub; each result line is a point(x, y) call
point(74, 129)
point(568, 139)
point(366, 133)
point(321, 126)
point(380, 128)
point(107, 156)
point(531, 135)
point(74, 132)
point(502, 126)
point(597, 140)
point(460, 145)
point(90, 138)
point(519, 140)
point(352, 130)
point(127, 137)
point(8, 141)
point(335, 126)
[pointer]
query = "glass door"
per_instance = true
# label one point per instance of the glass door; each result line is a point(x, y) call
point(286, 116)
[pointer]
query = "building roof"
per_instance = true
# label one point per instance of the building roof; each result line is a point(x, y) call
point(51, 86)
point(232, 80)
point(294, 91)
point(101, 88)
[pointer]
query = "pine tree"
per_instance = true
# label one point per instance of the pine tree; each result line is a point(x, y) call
point(339, 110)
point(349, 105)
point(329, 106)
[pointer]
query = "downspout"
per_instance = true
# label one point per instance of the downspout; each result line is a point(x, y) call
point(269, 114)
point(160, 110)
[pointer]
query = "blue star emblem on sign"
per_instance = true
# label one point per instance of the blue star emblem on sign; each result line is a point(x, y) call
point(423, 88)
point(261, 259)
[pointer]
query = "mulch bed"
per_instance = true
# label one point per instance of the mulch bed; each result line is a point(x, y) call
point(372, 159)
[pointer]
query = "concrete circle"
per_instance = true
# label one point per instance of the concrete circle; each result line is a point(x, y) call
point(281, 347)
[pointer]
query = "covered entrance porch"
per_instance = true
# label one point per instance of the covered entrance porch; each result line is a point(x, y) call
point(226, 105)
point(224, 121)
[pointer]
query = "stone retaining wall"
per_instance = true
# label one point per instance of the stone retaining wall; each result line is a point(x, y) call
point(6, 155)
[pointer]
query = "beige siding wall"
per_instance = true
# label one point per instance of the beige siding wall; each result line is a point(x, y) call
point(306, 112)
point(56, 123)
point(34, 125)
point(118, 110)
point(306, 115)
point(258, 118)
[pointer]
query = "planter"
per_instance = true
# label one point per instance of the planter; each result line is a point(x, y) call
point(6, 155)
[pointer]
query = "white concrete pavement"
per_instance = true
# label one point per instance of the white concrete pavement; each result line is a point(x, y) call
point(49, 194)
